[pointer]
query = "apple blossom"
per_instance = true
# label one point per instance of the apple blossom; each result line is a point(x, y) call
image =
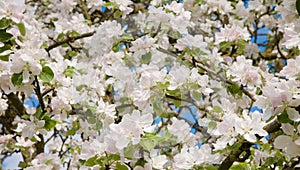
point(124, 84)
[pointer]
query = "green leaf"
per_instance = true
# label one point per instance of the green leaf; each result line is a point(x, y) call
point(91, 161)
point(235, 89)
point(115, 47)
point(298, 6)
point(241, 46)
point(199, 2)
point(22, 28)
point(141, 162)
point(177, 103)
point(49, 123)
point(5, 48)
point(69, 71)
point(17, 79)
point(71, 132)
point(130, 150)
point(120, 166)
point(4, 57)
point(61, 36)
point(98, 125)
point(4, 36)
point(113, 4)
point(212, 125)
point(283, 118)
point(148, 144)
point(162, 86)
point(47, 74)
point(72, 54)
point(241, 42)
point(4, 23)
point(25, 116)
point(211, 168)
point(73, 33)
point(225, 45)
point(114, 157)
point(239, 166)
point(218, 109)
point(39, 114)
point(159, 109)
point(117, 14)
point(176, 93)
point(127, 37)
point(236, 146)
point(146, 58)
point(196, 95)
point(193, 85)
point(197, 52)
point(91, 120)
point(22, 164)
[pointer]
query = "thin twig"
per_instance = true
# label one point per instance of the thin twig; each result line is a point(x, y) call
point(69, 39)
point(37, 90)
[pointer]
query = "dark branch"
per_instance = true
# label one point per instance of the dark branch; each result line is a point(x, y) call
point(234, 156)
point(37, 90)
point(69, 39)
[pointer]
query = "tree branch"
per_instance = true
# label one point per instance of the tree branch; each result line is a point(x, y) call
point(69, 39)
point(271, 127)
point(234, 156)
point(37, 90)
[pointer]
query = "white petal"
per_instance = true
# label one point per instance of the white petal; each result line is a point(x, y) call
point(293, 149)
point(282, 142)
point(159, 161)
point(250, 137)
point(288, 128)
point(293, 114)
point(297, 141)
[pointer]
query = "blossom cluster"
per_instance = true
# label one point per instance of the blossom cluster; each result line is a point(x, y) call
point(122, 84)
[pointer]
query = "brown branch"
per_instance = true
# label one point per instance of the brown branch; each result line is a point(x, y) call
point(186, 100)
point(271, 127)
point(16, 103)
point(37, 90)
point(47, 91)
point(69, 39)
point(84, 10)
point(234, 156)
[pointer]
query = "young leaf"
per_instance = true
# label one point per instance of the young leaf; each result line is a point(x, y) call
point(4, 23)
point(17, 79)
point(217, 109)
point(47, 74)
point(4, 57)
point(49, 123)
point(4, 36)
point(121, 167)
point(146, 58)
point(5, 47)
point(283, 118)
point(117, 14)
point(148, 144)
point(112, 4)
point(91, 161)
point(22, 28)
point(127, 37)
